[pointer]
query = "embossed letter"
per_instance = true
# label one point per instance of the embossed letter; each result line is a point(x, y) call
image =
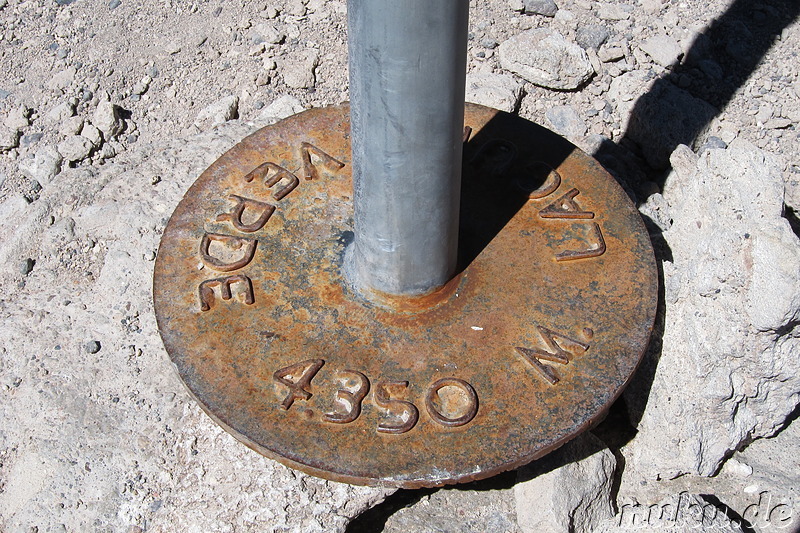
point(279, 173)
point(235, 216)
point(597, 250)
point(310, 171)
point(234, 243)
point(206, 290)
point(466, 403)
point(555, 353)
point(565, 207)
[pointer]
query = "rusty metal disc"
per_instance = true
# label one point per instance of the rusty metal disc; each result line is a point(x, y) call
point(530, 343)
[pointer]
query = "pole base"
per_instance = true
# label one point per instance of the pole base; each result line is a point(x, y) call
point(527, 346)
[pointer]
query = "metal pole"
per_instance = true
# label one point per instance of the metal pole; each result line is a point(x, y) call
point(407, 75)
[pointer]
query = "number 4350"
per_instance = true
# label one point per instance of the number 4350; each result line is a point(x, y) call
point(450, 402)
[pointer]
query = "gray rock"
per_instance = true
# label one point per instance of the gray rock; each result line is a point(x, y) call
point(9, 139)
point(93, 346)
point(591, 36)
point(43, 166)
point(499, 91)
point(664, 117)
point(566, 121)
point(223, 110)
point(552, 498)
point(545, 58)
point(664, 50)
point(299, 69)
point(546, 8)
point(728, 370)
point(27, 266)
point(106, 118)
point(75, 148)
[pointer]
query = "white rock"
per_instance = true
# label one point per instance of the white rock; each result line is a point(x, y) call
point(664, 50)
point(544, 57)
point(75, 148)
point(570, 498)
point(71, 126)
point(43, 166)
point(61, 112)
point(92, 133)
point(282, 107)
point(299, 69)
point(499, 91)
point(728, 369)
point(17, 118)
point(223, 110)
point(62, 79)
point(106, 118)
point(266, 33)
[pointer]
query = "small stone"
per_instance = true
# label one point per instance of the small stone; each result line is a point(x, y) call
point(17, 118)
point(266, 33)
point(27, 266)
point(63, 79)
point(280, 108)
point(546, 8)
point(93, 346)
point(299, 69)
point(777, 123)
point(71, 126)
point(765, 112)
point(545, 58)
point(61, 112)
point(114, 4)
point(566, 121)
point(591, 36)
point(142, 85)
point(106, 119)
point(712, 143)
point(31, 138)
point(93, 134)
point(489, 43)
point(221, 111)
point(516, 5)
point(152, 71)
point(43, 166)
point(75, 148)
point(611, 52)
point(611, 12)
point(296, 8)
point(664, 50)
point(9, 139)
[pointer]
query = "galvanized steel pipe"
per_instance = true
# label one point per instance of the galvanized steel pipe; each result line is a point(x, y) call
point(407, 73)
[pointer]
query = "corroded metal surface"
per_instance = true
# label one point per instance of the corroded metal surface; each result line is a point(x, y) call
point(534, 338)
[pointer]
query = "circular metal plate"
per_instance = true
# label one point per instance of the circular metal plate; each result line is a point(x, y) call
point(527, 346)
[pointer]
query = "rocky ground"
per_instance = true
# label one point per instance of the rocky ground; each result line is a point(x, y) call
point(110, 109)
